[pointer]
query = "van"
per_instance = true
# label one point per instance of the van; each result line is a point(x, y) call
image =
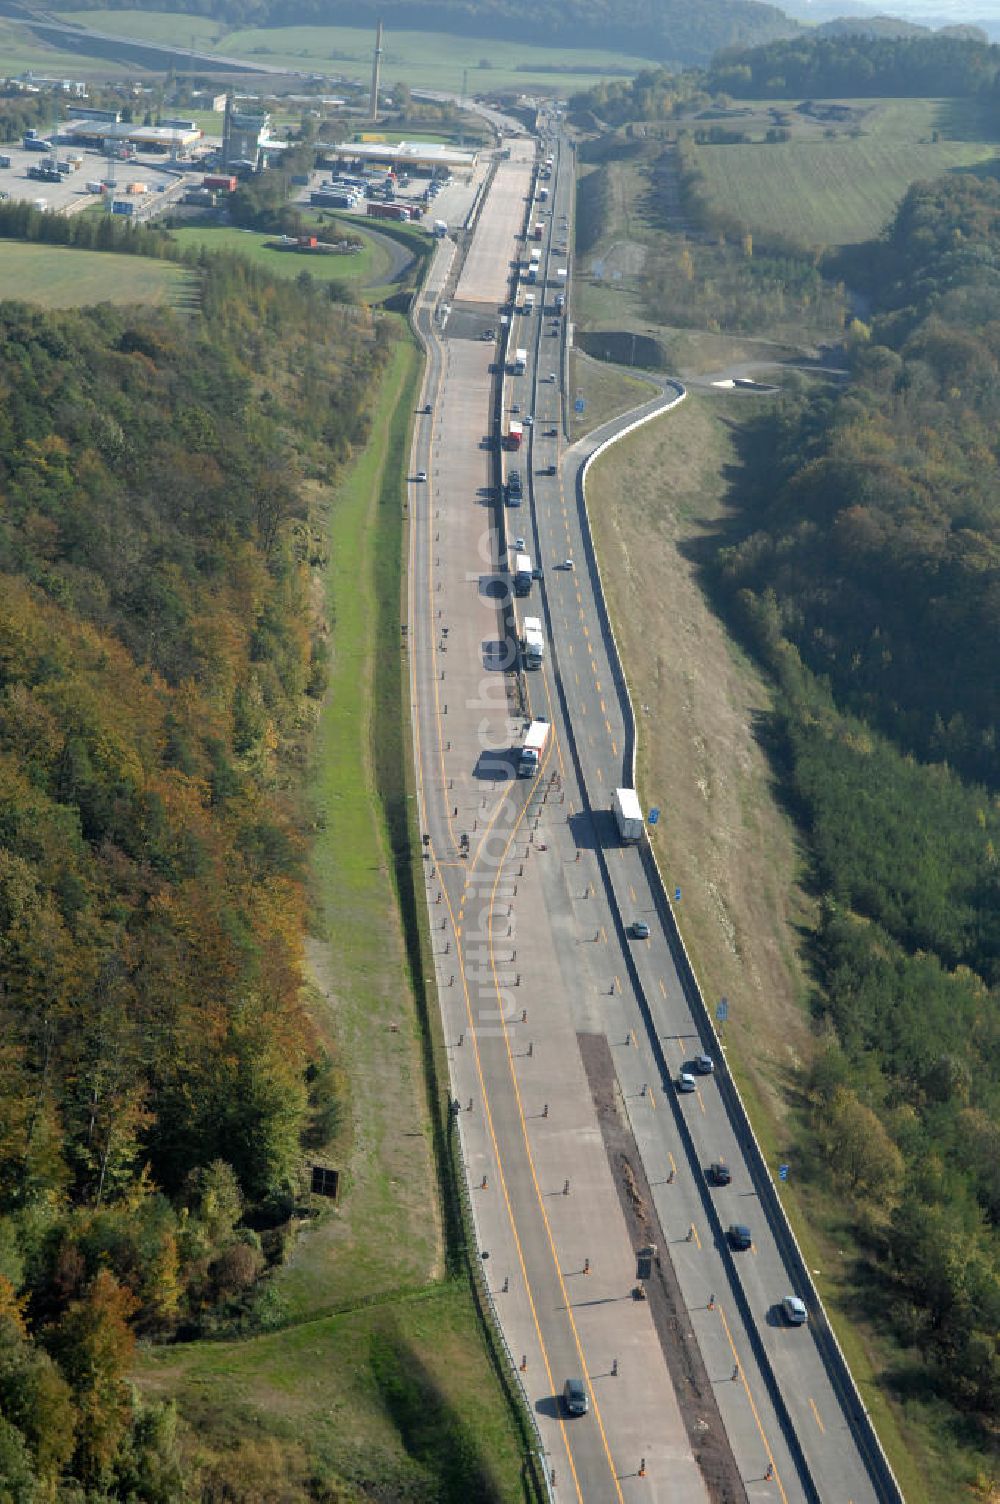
point(575, 1397)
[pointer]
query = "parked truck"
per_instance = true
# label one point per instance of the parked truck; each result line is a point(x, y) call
point(522, 574)
point(532, 749)
point(533, 643)
point(628, 814)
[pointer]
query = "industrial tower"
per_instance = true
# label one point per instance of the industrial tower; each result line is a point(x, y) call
point(376, 71)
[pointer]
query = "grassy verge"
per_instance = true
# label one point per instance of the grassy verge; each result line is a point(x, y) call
point(386, 1382)
point(391, 1402)
point(62, 277)
point(387, 1233)
point(662, 496)
point(606, 390)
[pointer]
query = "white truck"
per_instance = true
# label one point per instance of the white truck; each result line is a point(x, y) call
point(531, 752)
point(520, 361)
point(533, 643)
point(522, 574)
point(628, 813)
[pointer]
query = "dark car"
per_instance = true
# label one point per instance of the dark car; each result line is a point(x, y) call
point(739, 1237)
point(704, 1065)
point(552, 433)
point(575, 1397)
point(719, 1173)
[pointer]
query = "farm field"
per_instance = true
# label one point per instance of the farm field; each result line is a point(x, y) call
point(60, 277)
point(425, 59)
point(844, 189)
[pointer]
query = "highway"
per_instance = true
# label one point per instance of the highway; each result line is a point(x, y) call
point(545, 995)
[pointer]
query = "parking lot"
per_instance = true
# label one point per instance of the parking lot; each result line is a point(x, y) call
point(70, 194)
point(453, 203)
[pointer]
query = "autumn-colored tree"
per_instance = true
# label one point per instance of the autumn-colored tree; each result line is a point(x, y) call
point(93, 1345)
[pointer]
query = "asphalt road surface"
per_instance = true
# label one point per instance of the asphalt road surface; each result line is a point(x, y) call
point(531, 896)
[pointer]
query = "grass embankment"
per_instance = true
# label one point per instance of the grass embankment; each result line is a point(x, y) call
point(832, 191)
point(606, 391)
point(363, 268)
point(395, 1393)
point(436, 60)
point(61, 277)
point(656, 501)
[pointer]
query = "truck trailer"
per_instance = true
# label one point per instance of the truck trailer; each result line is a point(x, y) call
point(520, 361)
point(515, 433)
point(531, 752)
point(533, 643)
point(522, 574)
point(628, 814)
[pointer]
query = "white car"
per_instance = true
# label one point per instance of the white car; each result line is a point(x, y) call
point(552, 376)
point(567, 564)
point(519, 545)
point(686, 1082)
point(421, 475)
point(794, 1310)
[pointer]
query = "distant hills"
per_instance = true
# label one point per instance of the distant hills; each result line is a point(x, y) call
point(667, 32)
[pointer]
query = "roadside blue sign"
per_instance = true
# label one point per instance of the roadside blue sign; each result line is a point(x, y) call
point(579, 404)
point(722, 1011)
point(654, 816)
point(782, 1172)
point(677, 895)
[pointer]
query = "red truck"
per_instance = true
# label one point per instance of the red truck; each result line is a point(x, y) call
point(515, 432)
point(398, 212)
point(220, 182)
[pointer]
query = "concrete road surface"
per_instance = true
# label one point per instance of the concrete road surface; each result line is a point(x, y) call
point(531, 895)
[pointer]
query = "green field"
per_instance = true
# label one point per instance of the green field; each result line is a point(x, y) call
point(369, 267)
point(60, 277)
point(427, 59)
point(844, 189)
point(21, 51)
point(390, 1402)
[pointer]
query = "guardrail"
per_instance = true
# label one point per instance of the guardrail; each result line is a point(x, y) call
point(855, 1411)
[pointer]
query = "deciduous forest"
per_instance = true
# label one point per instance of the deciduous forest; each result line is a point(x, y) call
point(161, 661)
point(867, 574)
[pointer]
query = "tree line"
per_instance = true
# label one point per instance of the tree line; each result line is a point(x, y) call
point(850, 65)
point(160, 653)
point(857, 65)
point(867, 573)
